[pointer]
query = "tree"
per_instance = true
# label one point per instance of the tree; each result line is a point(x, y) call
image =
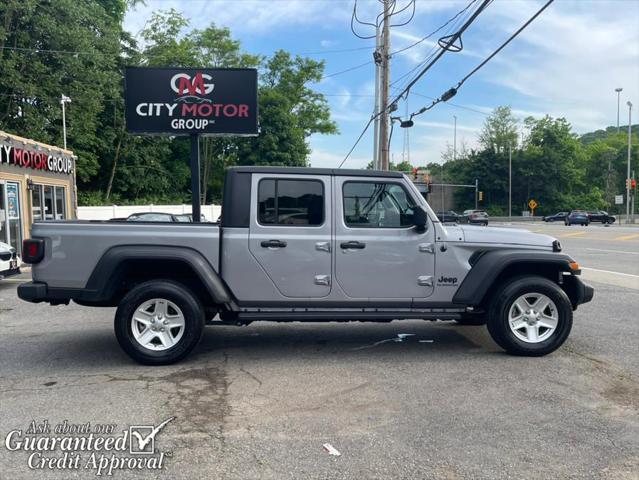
point(499, 131)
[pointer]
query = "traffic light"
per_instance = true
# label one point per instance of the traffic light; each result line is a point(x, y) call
point(633, 184)
point(481, 196)
point(414, 172)
point(627, 183)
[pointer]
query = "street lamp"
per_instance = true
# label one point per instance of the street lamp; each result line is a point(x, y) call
point(64, 99)
point(618, 90)
point(628, 173)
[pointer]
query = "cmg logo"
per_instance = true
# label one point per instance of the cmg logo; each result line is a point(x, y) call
point(183, 84)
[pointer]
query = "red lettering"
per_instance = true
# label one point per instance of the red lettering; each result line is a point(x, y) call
point(243, 110)
point(192, 87)
point(230, 110)
point(17, 156)
point(205, 110)
point(189, 109)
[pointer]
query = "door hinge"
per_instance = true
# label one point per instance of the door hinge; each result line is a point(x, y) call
point(427, 247)
point(322, 280)
point(323, 246)
point(425, 281)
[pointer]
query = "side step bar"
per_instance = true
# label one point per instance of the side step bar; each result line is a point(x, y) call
point(337, 316)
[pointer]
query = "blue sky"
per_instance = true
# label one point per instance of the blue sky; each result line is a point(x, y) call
point(567, 63)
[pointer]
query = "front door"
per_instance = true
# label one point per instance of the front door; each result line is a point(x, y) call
point(379, 253)
point(10, 215)
point(290, 232)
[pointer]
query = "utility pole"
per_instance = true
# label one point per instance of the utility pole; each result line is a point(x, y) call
point(64, 99)
point(476, 192)
point(377, 58)
point(629, 149)
point(455, 139)
point(384, 88)
point(510, 181)
point(618, 90)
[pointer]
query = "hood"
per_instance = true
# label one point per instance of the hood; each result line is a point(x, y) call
point(514, 236)
point(4, 247)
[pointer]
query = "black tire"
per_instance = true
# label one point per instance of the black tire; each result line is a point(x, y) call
point(472, 319)
point(501, 303)
point(181, 296)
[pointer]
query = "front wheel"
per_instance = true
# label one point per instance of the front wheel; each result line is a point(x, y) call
point(530, 316)
point(159, 322)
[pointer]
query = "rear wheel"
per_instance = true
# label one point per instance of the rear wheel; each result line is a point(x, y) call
point(159, 322)
point(530, 316)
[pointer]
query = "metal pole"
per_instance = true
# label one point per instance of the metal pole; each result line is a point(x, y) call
point(385, 78)
point(476, 192)
point(628, 176)
point(632, 207)
point(618, 90)
point(455, 139)
point(510, 181)
point(442, 187)
point(195, 178)
point(376, 163)
point(64, 124)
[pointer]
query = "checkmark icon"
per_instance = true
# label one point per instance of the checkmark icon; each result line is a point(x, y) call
point(144, 440)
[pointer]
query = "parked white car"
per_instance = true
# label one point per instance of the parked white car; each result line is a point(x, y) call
point(9, 261)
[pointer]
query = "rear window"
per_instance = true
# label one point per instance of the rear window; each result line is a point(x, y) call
point(290, 202)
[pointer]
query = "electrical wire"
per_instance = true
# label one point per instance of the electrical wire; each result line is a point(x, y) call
point(400, 11)
point(423, 39)
point(355, 19)
point(406, 89)
point(453, 91)
point(347, 70)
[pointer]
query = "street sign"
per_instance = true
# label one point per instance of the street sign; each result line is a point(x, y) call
point(532, 204)
point(185, 101)
point(618, 199)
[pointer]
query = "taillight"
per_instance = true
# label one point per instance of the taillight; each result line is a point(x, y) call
point(32, 250)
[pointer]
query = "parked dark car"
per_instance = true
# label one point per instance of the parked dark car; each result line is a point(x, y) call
point(577, 217)
point(557, 217)
point(601, 216)
point(448, 217)
point(474, 217)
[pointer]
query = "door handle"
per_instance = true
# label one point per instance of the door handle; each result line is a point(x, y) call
point(273, 244)
point(352, 245)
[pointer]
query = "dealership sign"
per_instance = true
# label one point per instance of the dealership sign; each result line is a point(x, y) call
point(182, 101)
point(46, 162)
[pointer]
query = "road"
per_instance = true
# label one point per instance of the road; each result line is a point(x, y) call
point(260, 401)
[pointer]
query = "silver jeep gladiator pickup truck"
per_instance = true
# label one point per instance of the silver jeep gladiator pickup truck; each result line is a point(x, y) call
point(307, 244)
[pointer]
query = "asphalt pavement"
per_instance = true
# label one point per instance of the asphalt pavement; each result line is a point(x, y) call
point(403, 400)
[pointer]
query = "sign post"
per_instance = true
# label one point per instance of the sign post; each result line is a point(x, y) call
point(194, 102)
point(532, 204)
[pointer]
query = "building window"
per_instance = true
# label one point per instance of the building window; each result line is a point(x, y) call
point(291, 202)
point(48, 202)
point(377, 205)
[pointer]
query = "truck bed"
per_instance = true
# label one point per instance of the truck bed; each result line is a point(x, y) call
point(75, 247)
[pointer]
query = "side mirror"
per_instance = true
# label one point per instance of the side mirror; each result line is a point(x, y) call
point(420, 218)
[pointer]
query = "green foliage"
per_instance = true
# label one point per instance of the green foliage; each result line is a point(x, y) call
point(112, 165)
point(553, 166)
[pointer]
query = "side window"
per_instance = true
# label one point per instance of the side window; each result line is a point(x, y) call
point(290, 202)
point(377, 205)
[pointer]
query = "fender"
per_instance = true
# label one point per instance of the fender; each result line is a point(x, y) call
point(102, 282)
point(492, 263)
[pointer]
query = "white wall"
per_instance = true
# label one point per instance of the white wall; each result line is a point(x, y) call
point(211, 212)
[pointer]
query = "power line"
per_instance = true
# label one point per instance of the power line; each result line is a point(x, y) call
point(453, 91)
point(423, 39)
point(347, 70)
point(445, 44)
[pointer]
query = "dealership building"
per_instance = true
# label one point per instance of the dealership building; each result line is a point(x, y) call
point(37, 182)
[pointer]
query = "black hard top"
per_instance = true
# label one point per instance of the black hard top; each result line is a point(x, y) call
point(316, 171)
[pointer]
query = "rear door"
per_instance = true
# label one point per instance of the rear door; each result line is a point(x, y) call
point(379, 253)
point(290, 232)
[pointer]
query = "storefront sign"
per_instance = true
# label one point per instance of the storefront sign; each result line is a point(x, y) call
point(35, 160)
point(182, 101)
